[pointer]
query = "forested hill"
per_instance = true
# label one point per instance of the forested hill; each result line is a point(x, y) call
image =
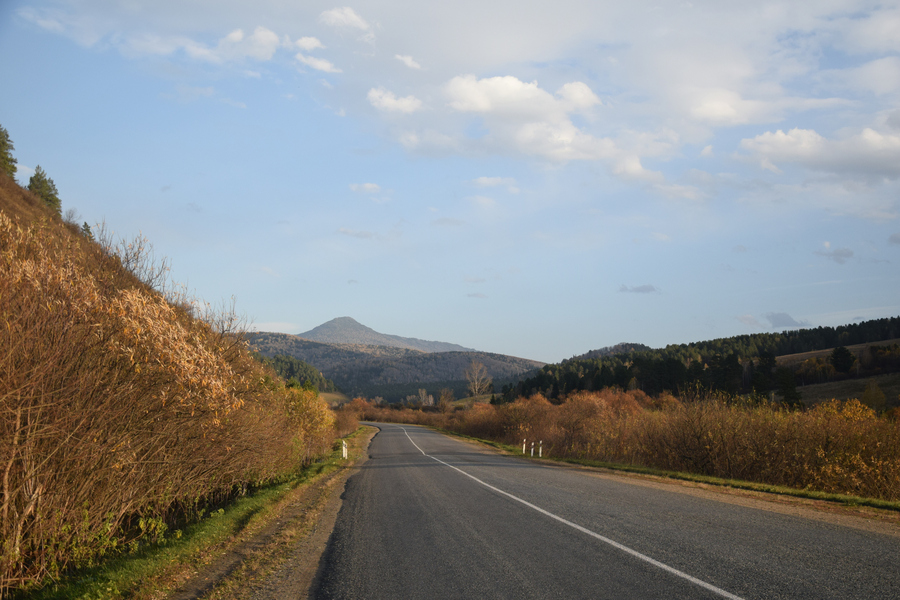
point(738, 364)
point(372, 370)
point(623, 348)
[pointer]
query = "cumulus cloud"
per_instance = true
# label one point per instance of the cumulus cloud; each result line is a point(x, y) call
point(308, 43)
point(386, 101)
point(365, 188)
point(347, 18)
point(319, 64)
point(639, 289)
point(261, 45)
point(523, 117)
point(867, 153)
point(408, 61)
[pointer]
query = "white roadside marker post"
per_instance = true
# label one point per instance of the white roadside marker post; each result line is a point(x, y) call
point(541, 449)
point(523, 446)
point(532, 449)
point(344, 449)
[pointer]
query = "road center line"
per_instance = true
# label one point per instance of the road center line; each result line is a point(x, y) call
point(606, 540)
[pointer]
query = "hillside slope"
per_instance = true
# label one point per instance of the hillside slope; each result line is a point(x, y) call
point(355, 368)
point(345, 330)
point(120, 414)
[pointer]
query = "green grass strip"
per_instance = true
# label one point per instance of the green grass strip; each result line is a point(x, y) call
point(121, 576)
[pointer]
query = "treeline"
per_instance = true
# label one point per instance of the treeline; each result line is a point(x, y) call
point(297, 373)
point(742, 364)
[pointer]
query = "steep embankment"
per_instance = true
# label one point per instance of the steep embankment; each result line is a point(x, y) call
point(121, 415)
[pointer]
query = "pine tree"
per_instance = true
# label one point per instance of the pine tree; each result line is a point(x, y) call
point(43, 186)
point(7, 161)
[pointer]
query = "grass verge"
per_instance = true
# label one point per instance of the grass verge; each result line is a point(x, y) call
point(844, 499)
point(157, 570)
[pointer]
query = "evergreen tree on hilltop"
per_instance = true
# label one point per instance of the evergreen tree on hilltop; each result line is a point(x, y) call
point(43, 186)
point(7, 161)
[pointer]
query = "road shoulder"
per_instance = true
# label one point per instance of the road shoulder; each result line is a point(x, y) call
point(281, 560)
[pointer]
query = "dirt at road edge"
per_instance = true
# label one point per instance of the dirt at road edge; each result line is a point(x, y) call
point(281, 560)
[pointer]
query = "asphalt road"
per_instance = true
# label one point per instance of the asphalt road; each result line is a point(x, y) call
point(432, 517)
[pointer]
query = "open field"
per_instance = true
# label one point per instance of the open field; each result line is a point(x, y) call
point(856, 349)
point(852, 388)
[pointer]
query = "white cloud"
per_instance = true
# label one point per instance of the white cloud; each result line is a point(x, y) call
point(525, 118)
point(365, 188)
point(384, 100)
point(308, 43)
point(880, 76)
point(508, 182)
point(261, 45)
point(408, 61)
point(868, 153)
point(319, 64)
point(347, 18)
point(872, 32)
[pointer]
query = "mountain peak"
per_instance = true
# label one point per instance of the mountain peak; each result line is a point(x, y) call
point(346, 330)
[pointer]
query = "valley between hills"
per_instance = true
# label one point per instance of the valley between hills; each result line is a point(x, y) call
point(361, 361)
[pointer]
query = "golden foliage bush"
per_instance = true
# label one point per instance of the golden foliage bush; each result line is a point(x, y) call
point(839, 447)
point(120, 413)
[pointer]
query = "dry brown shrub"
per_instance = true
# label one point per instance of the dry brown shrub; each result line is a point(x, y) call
point(119, 412)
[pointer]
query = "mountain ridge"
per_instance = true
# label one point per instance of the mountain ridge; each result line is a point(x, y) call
point(346, 330)
point(368, 369)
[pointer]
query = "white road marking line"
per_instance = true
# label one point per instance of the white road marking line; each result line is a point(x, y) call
point(606, 540)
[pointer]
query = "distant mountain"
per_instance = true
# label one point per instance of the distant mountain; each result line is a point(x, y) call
point(372, 370)
point(345, 330)
point(623, 348)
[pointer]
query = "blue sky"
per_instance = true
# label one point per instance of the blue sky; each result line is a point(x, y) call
point(531, 178)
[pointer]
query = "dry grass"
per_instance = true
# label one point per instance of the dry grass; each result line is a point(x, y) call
point(852, 388)
point(857, 349)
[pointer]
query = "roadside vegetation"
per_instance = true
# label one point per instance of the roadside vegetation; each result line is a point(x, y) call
point(838, 447)
point(128, 410)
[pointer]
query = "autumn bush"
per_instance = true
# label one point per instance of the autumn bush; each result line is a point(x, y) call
point(121, 414)
point(838, 447)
